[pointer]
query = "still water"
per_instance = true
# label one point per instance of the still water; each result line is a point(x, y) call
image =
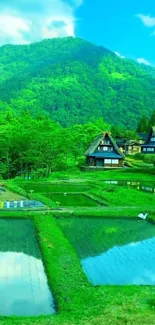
point(113, 251)
point(140, 186)
point(24, 289)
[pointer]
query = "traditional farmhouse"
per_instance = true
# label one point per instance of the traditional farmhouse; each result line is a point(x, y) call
point(104, 153)
point(149, 146)
point(132, 146)
point(128, 147)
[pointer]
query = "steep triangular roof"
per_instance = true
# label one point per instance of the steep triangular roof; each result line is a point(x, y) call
point(151, 134)
point(97, 141)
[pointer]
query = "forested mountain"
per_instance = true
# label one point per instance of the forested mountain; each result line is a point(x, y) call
point(75, 82)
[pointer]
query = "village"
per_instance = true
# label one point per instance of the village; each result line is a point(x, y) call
point(105, 152)
point(77, 162)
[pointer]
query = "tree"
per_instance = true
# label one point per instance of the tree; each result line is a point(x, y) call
point(152, 119)
point(143, 125)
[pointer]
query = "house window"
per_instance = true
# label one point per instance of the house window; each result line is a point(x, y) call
point(153, 139)
point(107, 161)
point(105, 148)
point(150, 149)
point(105, 142)
point(115, 161)
point(144, 149)
point(111, 161)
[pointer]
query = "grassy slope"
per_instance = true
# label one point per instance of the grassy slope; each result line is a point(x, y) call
point(129, 174)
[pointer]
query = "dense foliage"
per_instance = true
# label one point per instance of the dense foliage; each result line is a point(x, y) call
point(145, 123)
point(40, 145)
point(75, 82)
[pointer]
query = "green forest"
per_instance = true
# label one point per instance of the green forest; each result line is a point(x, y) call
point(73, 82)
point(36, 143)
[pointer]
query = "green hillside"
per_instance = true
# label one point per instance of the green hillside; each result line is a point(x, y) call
point(75, 81)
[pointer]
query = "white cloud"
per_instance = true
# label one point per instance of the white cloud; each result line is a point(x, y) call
point(147, 20)
point(12, 27)
point(120, 56)
point(143, 61)
point(27, 21)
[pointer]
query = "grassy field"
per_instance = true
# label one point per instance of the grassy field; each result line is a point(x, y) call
point(93, 185)
point(73, 200)
point(77, 301)
point(9, 195)
point(54, 188)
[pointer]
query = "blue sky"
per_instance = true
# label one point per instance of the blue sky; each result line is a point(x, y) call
point(125, 27)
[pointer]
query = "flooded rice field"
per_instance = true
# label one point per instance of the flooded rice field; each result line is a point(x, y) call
point(140, 186)
point(72, 200)
point(113, 251)
point(24, 289)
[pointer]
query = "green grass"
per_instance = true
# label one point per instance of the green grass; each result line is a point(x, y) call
point(125, 196)
point(11, 196)
point(143, 174)
point(72, 200)
point(55, 188)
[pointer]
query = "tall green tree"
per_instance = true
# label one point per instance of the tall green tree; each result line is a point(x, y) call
point(143, 125)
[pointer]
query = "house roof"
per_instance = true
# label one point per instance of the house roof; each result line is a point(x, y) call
point(149, 145)
point(97, 141)
point(111, 155)
point(151, 134)
point(143, 136)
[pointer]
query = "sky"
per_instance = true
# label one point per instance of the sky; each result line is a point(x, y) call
point(125, 27)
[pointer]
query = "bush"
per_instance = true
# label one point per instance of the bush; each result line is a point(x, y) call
point(149, 158)
point(81, 161)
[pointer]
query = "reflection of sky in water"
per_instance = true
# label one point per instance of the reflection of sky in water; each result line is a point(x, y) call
point(137, 185)
point(23, 286)
point(133, 263)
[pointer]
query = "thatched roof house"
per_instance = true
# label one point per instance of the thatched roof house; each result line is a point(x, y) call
point(104, 152)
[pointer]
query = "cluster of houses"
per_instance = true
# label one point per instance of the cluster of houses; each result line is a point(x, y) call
point(104, 152)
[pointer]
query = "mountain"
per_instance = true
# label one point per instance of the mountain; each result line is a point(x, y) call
point(75, 82)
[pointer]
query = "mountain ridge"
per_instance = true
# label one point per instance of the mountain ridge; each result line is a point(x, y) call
point(75, 81)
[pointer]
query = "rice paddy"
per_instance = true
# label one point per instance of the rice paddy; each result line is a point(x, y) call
point(64, 195)
point(24, 289)
point(96, 267)
point(72, 200)
point(140, 186)
point(113, 252)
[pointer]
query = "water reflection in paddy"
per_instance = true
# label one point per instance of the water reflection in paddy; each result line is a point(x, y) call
point(113, 251)
point(24, 289)
point(129, 264)
point(140, 186)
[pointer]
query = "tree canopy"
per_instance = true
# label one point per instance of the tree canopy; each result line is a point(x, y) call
point(75, 82)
